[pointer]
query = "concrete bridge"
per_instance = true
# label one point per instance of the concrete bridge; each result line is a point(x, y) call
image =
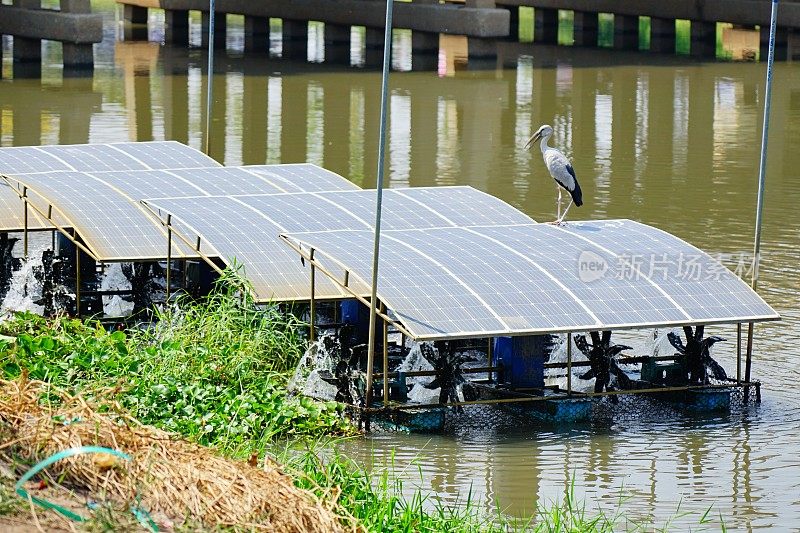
point(73, 25)
point(484, 22)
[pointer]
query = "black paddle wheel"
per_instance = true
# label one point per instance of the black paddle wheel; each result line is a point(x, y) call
point(695, 355)
point(602, 358)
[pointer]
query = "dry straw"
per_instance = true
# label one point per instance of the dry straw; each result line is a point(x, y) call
point(167, 476)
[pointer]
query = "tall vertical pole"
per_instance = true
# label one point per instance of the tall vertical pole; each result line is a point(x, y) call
point(210, 77)
point(77, 281)
point(762, 166)
point(387, 58)
point(762, 178)
point(739, 352)
point(385, 359)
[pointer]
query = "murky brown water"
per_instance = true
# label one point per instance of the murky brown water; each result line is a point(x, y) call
point(662, 140)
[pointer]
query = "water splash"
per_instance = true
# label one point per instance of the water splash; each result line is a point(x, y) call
point(306, 379)
point(558, 354)
point(114, 280)
point(414, 362)
point(24, 290)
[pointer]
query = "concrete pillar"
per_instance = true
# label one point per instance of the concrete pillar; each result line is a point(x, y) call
point(295, 39)
point(77, 57)
point(481, 48)
point(176, 27)
point(337, 43)
point(585, 28)
point(220, 29)
point(254, 118)
point(256, 34)
point(703, 39)
point(424, 43)
point(545, 25)
point(294, 119)
point(134, 14)
point(781, 43)
point(662, 35)
point(27, 50)
point(513, 28)
point(626, 32)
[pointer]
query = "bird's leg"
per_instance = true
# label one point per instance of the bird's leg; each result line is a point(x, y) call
point(561, 219)
point(558, 214)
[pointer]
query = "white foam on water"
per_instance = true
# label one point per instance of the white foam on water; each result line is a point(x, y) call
point(306, 379)
point(114, 280)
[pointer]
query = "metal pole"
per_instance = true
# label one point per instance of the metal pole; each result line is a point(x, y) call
point(312, 334)
point(210, 76)
point(762, 167)
point(489, 357)
point(748, 360)
point(169, 255)
point(569, 364)
point(739, 352)
point(385, 360)
point(387, 58)
point(25, 223)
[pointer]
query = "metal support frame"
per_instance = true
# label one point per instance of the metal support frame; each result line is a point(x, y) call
point(312, 334)
point(489, 357)
point(77, 282)
point(739, 352)
point(569, 364)
point(748, 360)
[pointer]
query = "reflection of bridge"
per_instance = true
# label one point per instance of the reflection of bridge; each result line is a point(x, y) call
point(73, 25)
point(481, 21)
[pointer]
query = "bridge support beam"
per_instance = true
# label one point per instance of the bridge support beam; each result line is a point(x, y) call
point(545, 25)
point(256, 34)
point(585, 26)
point(703, 39)
point(662, 35)
point(626, 32)
point(781, 43)
point(220, 29)
point(134, 14)
point(176, 27)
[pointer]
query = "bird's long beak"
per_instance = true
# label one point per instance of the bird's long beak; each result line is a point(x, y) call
point(532, 140)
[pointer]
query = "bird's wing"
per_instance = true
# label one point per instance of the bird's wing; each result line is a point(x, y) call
point(560, 168)
point(571, 171)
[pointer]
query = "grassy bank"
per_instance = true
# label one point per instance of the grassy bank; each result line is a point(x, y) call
point(214, 373)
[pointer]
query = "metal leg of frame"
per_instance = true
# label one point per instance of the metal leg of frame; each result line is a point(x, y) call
point(169, 257)
point(748, 360)
point(25, 223)
point(385, 360)
point(489, 357)
point(739, 353)
point(77, 282)
point(312, 334)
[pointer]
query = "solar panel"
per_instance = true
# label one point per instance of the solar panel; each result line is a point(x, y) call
point(302, 177)
point(465, 206)
point(12, 213)
point(480, 281)
point(28, 159)
point(229, 228)
point(111, 225)
point(224, 181)
point(165, 154)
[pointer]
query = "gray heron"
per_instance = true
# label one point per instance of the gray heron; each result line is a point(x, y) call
point(560, 169)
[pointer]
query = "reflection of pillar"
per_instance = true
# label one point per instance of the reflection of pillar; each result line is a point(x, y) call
point(700, 123)
point(254, 119)
point(336, 131)
point(623, 134)
point(138, 60)
point(372, 120)
point(626, 32)
point(544, 96)
point(662, 35)
point(781, 42)
point(545, 25)
point(424, 121)
point(176, 100)
point(217, 135)
point(27, 125)
point(74, 121)
point(703, 39)
point(584, 91)
point(134, 14)
point(294, 118)
point(778, 127)
point(661, 120)
point(481, 121)
point(256, 34)
point(143, 104)
point(176, 27)
point(220, 29)
point(585, 28)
